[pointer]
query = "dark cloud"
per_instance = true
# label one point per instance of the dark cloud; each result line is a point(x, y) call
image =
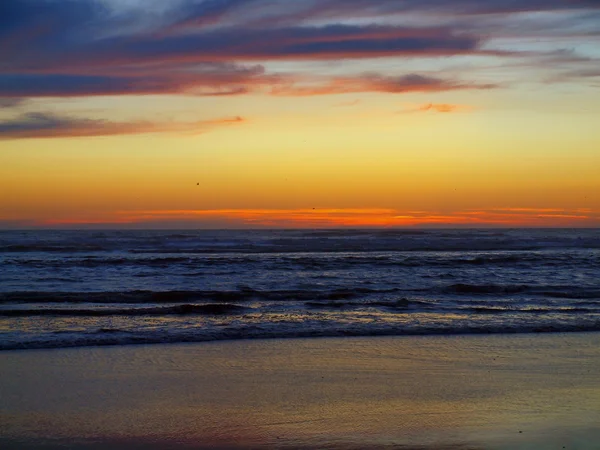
point(321, 10)
point(33, 27)
point(60, 15)
point(208, 12)
point(208, 85)
point(88, 47)
point(45, 125)
point(232, 44)
point(36, 122)
point(335, 8)
point(216, 79)
point(50, 53)
point(278, 12)
point(51, 85)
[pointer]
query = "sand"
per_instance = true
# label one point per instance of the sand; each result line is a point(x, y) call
point(462, 392)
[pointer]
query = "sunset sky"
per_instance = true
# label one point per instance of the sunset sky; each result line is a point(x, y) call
point(299, 113)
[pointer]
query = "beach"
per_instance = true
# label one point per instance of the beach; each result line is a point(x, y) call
point(521, 391)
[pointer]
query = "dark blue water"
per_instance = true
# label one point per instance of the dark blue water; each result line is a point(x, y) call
point(73, 288)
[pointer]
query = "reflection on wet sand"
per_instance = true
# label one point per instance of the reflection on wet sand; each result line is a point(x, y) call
point(422, 393)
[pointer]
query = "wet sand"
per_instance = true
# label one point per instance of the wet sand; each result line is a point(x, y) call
point(529, 391)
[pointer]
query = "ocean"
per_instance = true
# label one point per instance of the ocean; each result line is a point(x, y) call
point(86, 288)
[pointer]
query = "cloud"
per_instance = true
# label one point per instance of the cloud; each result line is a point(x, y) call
point(358, 8)
point(442, 107)
point(214, 79)
point(281, 12)
point(347, 104)
point(435, 107)
point(227, 81)
point(72, 48)
point(246, 44)
point(44, 125)
point(11, 102)
point(578, 75)
point(377, 83)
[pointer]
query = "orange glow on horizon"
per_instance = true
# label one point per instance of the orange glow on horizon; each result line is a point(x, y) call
point(328, 218)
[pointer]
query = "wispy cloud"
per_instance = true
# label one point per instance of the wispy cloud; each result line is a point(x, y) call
point(354, 8)
point(435, 107)
point(221, 47)
point(228, 82)
point(347, 104)
point(55, 50)
point(374, 82)
point(11, 102)
point(44, 125)
point(211, 79)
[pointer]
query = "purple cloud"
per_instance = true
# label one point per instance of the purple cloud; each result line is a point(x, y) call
point(86, 47)
point(44, 125)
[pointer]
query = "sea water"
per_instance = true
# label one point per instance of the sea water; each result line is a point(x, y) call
point(81, 288)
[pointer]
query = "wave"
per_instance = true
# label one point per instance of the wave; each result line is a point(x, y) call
point(21, 248)
point(315, 241)
point(402, 304)
point(115, 336)
point(180, 310)
point(509, 259)
point(189, 264)
point(566, 292)
point(462, 288)
point(572, 293)
point(495, 310)
point(246, 294)
point(241, 295)
point(429, 260)
point(96, 261)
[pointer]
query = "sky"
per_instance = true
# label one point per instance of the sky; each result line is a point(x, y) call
point(303, 113)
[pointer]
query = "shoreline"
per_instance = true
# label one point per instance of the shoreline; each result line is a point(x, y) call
point(499, 391)
point(592, 329)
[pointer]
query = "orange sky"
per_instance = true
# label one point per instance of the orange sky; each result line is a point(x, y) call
point(252, 114)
